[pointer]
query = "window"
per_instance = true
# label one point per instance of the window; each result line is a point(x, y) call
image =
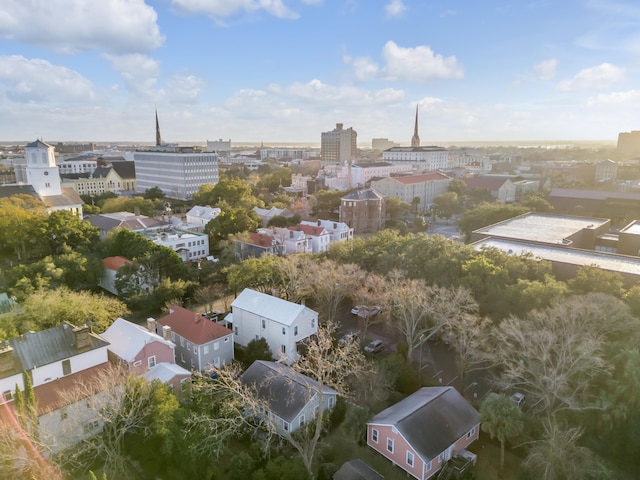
point(313, 323)
point(7, 394)
point(66, 367)
point(151, 361)
point(226, 339)
point(374, 435)
point(295, 330)
point(205, 350)
point(284, 331)
point(283, 348)
point(390, 444)
point(195, 349)
point(216, 345)
point(409, 458)
point(285, 425)
point(264, 323)
point(471, 432)
point(181, 342)
point(428, 467)
point(441, 457)
point(301, 420)
point(137, 363)
point(235, 330)
point(173, 337)
point(332, 402)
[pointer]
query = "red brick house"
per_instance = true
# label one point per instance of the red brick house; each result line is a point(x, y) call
point(425, 430)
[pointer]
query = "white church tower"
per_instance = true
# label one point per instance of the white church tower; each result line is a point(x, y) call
point(42, 172)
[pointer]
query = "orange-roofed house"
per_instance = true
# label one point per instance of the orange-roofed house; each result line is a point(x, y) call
point(254, 244)
point(320, 237)
point(139, 282)
point(200, 343)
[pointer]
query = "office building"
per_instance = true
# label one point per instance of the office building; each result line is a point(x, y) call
point(423, 159)
point(338, 145)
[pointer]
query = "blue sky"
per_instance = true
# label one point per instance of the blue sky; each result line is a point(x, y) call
point(286, 70)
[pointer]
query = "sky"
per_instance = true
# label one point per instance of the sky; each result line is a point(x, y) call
point(287, 70)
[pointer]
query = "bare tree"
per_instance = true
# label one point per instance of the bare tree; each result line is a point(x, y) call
point(557, 356)
point(239, 406)
point(371, 293)
point(209, 294)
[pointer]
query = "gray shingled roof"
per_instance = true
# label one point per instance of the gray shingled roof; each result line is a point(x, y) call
point(11, 190)
point(431, 419)
point(285, 390)
point(356, 470)
point(124, 168)
point(68, 197)
point(37, 144)
point(36, 349)
point(101, 172)
point(368, 194)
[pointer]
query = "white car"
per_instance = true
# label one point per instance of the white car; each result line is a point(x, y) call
point(517, 398)
point(366, 311)
point(375, 346)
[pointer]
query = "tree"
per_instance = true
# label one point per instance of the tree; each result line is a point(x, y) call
point(259, 274)
point(228, 192)
point(153, 193)
point(558, 456)
point(501, 418)
point(592, 278)
point(447, 204)
point(537, 203)
point(139, 205)
point(369, 294)
point(325, 363)
point(395, 207)
point(66, 231)
point(257, 349)
point(326, 203)
point(126, 406)
point(557, 356)
point(230, 222)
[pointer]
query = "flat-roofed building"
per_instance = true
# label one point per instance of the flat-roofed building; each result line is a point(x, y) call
point(178, 171)
point(425, 186)
point(428, 158)
point(339, 145)
point(576, 232)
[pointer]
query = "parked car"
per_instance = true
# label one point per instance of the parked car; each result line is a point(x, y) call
point(349, 336)
point(376, 346)
point(517, 398)
point(365, 310)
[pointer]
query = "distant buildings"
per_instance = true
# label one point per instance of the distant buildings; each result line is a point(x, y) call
point(629, 143)
point(338, 145)
point(421, 158)
point(382, 144)
point(116, 177)
point(425, 187)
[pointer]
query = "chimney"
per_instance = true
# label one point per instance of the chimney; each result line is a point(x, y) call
point(6, 357)
point(319, 222)
point(197, 317)
point(82, 336)
point(151, 324)
point(166, 332)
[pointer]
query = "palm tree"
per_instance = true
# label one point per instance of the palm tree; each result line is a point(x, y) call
point(501, 418)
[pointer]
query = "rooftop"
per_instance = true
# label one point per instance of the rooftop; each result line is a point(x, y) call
point(268, 306)
point(128, 339)
point(193, 326)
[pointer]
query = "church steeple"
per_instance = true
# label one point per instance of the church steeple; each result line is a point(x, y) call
point(415, 140)
point(158, 137)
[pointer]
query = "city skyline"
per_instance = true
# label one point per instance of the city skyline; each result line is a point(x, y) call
point(284, 71)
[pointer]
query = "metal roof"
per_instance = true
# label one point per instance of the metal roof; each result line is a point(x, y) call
point(270, 307)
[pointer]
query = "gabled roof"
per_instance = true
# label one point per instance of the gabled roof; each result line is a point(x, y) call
point(312, 230)
point(101, 172)
point(165, 372)
point(36, 349)
point(356, 470)
point(114, 263)
point(268, 306)
point(285, 390)
point(38, 144)
point(128, 220)
point(425, 177)
point(124, 168)
point(204, 212)
point(7, 191)
point(69, 197)
point(193, 326)
point(128, 339)
point(258, 239)
point(442, 411)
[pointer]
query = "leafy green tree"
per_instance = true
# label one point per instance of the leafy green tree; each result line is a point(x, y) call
point(228, 192)
point(276, 180)
point(257, 349)
point(527, 295)
point(65, 230)
point(592, 278)
point(447, 204)
point(259, 273)
point(395, 207)
point(20, 226)
point(325, 203)
point(501, 418)
point(142, 206)
point(487, 214)
point(153, 193)
point(231, 222)
point(537, 203)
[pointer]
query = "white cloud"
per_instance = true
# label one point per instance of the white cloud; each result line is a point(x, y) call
point(184, 89)
point(616, 99)
point(405, 64)
point(70, 26)
point(546, 70)
point(139, 72)
point(395, 8)
point(226, 8)
point(418, 64)
point(599, 77)
point(39, 81)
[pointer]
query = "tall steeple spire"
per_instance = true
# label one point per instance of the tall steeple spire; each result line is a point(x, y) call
point(415, 140)
point(158, 137)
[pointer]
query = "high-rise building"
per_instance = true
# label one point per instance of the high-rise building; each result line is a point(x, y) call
point(629, 143)
point(338, 145)
point(177, 171)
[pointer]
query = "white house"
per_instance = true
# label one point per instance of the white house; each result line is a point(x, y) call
point(200, 216)
point(318, 236)
point(340, 231)
point(283, 324)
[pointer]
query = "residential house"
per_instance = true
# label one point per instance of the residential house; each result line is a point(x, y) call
point(500, 187)
point(340, 231)
point(136, 223)
point(200, 216)
point(363, 210)
point(288, 241)
point(425, 430)
point(254, 244)
point(111, 266)
point(283, 324)
point(200, 343)
point(319, 237)
point(55, 360)
point(291, 399)
point(169, 373)
point(267, 214)
point(356, 470)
